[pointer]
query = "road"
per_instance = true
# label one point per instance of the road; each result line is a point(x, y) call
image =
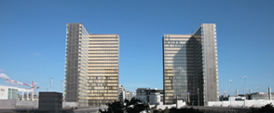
point(65, 110)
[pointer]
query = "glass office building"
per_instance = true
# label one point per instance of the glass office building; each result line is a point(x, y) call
point(103, 69)
point(190, 67)
point(92, 66)
point(76, 70)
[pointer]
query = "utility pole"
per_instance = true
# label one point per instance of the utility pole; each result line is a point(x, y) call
point(51, 78)
point(243, 80)
point(229, 82)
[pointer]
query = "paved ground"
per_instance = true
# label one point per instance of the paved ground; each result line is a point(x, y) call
point(95, 109)
point(220, 109)
point(65, 110)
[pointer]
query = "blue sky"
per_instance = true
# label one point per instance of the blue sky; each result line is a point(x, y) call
point(32, 38)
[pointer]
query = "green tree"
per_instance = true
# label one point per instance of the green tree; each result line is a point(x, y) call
point(166, 110)
point(115, 107)
point(135, 106)
point(265, 109)
point(132, 106)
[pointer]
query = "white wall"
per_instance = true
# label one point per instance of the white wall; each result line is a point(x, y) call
point(248, 103)
point(155, 99)
point(4, 92)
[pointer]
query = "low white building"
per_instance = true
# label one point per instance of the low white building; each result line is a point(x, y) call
point(257, 99)
point(129, 95)
point(121, 93)
point(142, 94)
point(156, 97)
point(151, 96)
point(9, 92)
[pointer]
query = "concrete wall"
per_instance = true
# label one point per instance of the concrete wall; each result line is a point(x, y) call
point(7, 104)
point(4, 92)
point(248, 103)
point(69, 104)
point(210, 63)
point(27, 104)
point(14, 104)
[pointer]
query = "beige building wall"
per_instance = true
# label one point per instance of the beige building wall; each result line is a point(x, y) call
point(103, 69)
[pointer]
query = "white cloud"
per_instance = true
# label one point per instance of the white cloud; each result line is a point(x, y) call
point(3, 76)
point(36, 84)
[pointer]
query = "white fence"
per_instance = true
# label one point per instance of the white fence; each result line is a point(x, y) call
point(247, 103)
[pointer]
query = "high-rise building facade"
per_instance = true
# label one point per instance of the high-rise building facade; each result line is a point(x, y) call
point(190, 66)
point(103, 68)
point(76, 70)
point(92, 66)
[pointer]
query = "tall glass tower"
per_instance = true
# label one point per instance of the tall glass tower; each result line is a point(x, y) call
point(92, 66)
point(76, 70)
point(103, 69)
point(190, 66)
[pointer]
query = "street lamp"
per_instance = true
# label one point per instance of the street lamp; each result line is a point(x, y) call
point(50, 82)
point(229, 83)
point(243, 80)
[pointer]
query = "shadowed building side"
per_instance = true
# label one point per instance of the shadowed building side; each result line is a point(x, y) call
point(76, 64)
point(190, 66)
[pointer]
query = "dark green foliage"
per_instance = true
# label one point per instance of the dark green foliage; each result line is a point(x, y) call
point(165, 110)
point(132, 106)
point(115, 107)
point(135, 106)
point(184, 110)
point(155, 110)
point(265, 109)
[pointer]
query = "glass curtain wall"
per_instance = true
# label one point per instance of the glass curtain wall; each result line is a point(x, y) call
point(175, 68)
point(103, 69)
point(190, 67)
point(76, 64)
point(83, 66)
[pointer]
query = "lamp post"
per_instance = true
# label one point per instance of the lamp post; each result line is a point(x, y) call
point(243, 80)
point(50, 78)
point(229, 83)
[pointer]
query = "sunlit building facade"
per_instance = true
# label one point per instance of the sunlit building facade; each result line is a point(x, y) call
point(190, 66)
point(103, 69)
point(92, 66)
